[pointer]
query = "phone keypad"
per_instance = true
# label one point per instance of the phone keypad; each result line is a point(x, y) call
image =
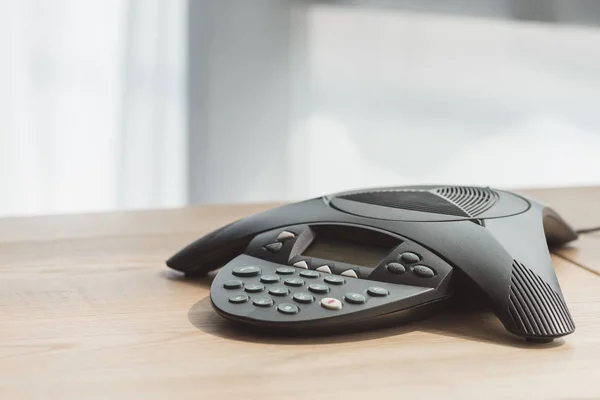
point(291, 290)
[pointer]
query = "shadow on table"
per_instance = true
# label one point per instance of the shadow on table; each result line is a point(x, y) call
point(200, 281)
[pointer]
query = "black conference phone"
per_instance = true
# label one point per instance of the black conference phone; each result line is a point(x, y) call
point(366, 257)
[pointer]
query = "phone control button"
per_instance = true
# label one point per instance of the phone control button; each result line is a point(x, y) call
point(396, 268)
point(423, 271)
point(274, 247)
point(350, 273)
point(324, 268)
point(239, 299)
point(285, 270)
point(410, 257)
point(246, 271)
point(288, 308)
point(377, 291)
point(301, 264)
point(334, 280)
point(331, 304)
point(263, 302)
point(254, 288)
point(285, 235)
point(355, 298)
point(318, 288)
point(233, 284)
point(309, 273)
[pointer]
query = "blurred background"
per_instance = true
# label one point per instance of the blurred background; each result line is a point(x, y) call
point(129, 104)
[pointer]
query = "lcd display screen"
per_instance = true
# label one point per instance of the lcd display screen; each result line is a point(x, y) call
point(364, 254)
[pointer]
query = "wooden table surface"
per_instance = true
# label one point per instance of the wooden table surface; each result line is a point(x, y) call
point(89, 310)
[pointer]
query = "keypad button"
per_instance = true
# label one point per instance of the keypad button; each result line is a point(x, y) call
point(395, 268)
point(334, 280)
point(254, 288)
point(238, 299)
point(246, 271)
point(269, 279)
point(318, 288)
point(355, 298)
point(274, 247)
point(423, 271)
point(410, 257)
point(294, 282)
point(377, 291)
point(303, 298)
point(278, 291)
point(285, 270)
point(310, 274)
point(233, 284)
point(262, 302)
point(288, 308)
point(331, 304)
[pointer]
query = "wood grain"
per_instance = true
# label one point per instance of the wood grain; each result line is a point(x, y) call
point(579, 206)
point(88, 310)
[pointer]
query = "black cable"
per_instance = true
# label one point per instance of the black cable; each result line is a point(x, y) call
point(587, 230)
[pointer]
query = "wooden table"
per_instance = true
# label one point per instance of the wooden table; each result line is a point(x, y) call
point(89, 310)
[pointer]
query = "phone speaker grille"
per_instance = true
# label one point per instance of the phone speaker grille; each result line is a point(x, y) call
point(416, 200)
point(473, 200)
point(460, 201)
point(535, 308)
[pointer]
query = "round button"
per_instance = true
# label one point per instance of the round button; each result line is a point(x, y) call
point(318, 288)
point(294, 282)
point(410, 257)
point(246, 271)
point(285, 270)
point(254, 288)
point(423, 271)
point(310, 274)
point(238, 299)
point(355, 298)
point(303, 298)
point(334, 280)
point(331, 304)
point(287, 308)
point(278, 291)
point(395, 268)
point(269, 278)
point(233, 284)
point(262, 302)
point(377, 291)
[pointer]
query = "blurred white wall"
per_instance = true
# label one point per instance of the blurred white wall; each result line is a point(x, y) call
point(407, 98)
point(362, 96)
point(285, 99)
point(92, 106)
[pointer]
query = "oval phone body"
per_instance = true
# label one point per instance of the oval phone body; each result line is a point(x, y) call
point(364, 258)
